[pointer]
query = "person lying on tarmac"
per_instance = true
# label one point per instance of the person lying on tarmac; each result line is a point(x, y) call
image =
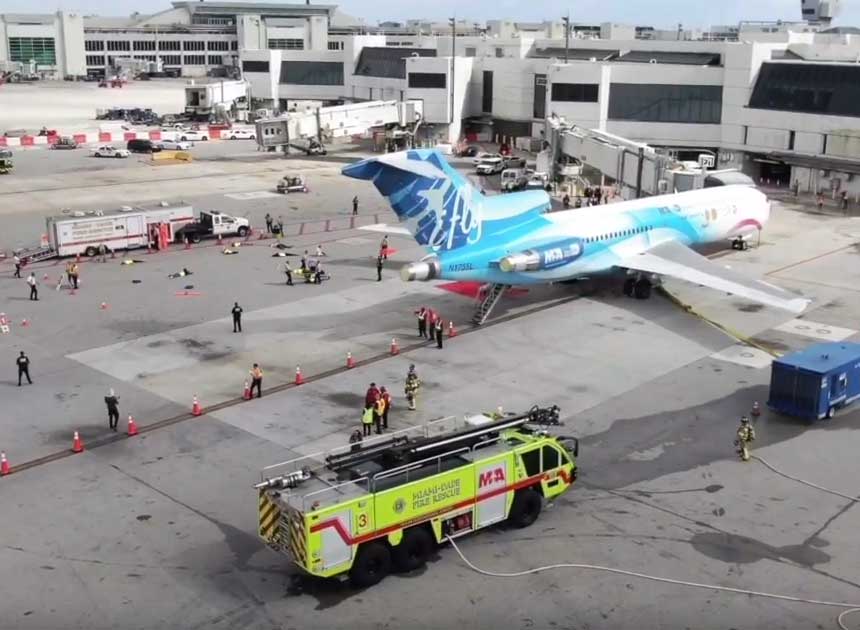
point(180, 274)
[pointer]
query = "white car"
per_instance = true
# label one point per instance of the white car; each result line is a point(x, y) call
point(109, 151)
point(491, 165)
point(240, 134)
point(175, 145)
point(483, 155)
point(192, 135)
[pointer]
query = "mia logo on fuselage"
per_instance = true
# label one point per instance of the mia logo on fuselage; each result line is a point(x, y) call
point(557, 256)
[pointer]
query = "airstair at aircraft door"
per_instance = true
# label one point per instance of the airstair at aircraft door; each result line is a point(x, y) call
point(482, 312)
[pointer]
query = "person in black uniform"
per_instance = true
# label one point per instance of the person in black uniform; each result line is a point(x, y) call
point(112, 402)
point(379, 268)
point(23, 362)
point(237, 317)
point(355, 206)
point(439, 332)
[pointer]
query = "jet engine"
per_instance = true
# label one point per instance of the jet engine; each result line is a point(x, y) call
point(541, 258)
point(427, 269)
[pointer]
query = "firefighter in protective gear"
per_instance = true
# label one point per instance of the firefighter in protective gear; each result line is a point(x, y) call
point(412, 387)
point(745, 435)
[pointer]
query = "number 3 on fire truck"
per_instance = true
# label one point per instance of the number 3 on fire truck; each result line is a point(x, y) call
point(362, 520)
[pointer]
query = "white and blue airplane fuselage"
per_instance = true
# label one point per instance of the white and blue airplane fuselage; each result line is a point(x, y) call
point(513, 239)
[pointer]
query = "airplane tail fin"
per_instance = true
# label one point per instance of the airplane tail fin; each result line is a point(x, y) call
point(437, 204)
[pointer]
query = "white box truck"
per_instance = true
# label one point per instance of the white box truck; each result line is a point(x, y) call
point(124, 228)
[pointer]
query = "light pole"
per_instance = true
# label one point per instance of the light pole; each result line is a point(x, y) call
point(566, 20)
point(453, 22)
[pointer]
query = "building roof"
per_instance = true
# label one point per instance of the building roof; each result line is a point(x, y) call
point(387, 62)
point(581, 54)
point(843, 165)
point(822, 357)
point(673, 57)
point(264, 8)
point(28, 18)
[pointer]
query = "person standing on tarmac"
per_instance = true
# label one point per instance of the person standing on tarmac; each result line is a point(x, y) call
point(237, 317)
point(355, 206)
point(431, 324)
point(378, 412)
point(34, 290)
point(289, 271)
point(386, 398)
point(75, 275)
point(256, 380)
point(112, 402)
point(421, 314)
point(367, 420)
point(439, 329)
point(383, 248)
point(17, 260)
point(371, 395)
point(412, 386)
point(23, 363)
point(379, 268)
point(268, 223)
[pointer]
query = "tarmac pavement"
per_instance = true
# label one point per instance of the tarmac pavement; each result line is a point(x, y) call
point(159, 531)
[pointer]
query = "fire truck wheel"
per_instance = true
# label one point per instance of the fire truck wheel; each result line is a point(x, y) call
point(372, 563)
point(413, 550)
point(526, 508)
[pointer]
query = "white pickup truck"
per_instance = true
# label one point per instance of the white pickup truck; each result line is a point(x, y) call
point(213, 223)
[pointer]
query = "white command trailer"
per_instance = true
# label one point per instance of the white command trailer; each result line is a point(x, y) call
point(123, 228)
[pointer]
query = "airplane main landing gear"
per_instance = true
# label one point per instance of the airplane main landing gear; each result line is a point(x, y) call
point(740, 243)
point(639, 288)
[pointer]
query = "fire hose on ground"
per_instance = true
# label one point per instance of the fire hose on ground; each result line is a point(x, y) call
point(849, 608)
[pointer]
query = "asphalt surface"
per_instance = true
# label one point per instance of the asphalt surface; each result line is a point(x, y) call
point(159, 531)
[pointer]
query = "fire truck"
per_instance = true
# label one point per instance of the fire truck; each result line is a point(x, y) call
point(384, 504)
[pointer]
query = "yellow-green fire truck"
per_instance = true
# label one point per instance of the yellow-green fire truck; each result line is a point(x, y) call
point(384, 504)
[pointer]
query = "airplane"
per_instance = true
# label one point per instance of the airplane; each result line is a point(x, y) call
point(514, 239)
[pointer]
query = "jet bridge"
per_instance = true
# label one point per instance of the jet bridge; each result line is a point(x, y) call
point(327, 123)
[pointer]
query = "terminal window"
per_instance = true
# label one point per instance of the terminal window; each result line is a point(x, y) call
point(575, 92)
point(95, 60)
point(222, 45)
point(255, 66)
point(144, 45)
point(216, 60)
point(812, 88)
point(94, 45)
point(426, 80)
point(312, 73)
point(173, 60)
point(118, 45)
point(40, 49)
point(287, 44)
point(697, 104)
point(195, 60)
point(169, 45)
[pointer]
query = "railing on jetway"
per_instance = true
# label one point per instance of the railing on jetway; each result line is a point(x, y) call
point(336, 122)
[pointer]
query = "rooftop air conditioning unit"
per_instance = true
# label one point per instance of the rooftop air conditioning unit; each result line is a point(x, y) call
point(652, 61)
point(592, 59)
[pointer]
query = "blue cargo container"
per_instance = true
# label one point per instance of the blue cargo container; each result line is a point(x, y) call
point(812, 383)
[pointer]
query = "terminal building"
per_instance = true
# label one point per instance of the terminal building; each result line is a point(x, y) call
point(777, 100)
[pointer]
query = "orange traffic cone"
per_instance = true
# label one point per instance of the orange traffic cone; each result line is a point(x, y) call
point(77, 444)
point(246, 394)
point(394, 348)
point(187, 243)
point(45, 278)
point(756, 410)
point(452, 332)
point(4, 465)
point(132, 426)
point(195, 407)
point(299, 378)
point(78, 258)
point(350, 363)
point(104, 306)
point(25, 323)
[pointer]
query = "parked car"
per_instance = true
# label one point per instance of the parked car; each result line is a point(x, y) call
point(193, 135)
point(242, 134)
point(481, 155)
point(512, 161)
point(174, 145)
point(490, 165)
point(514, 179)
point(469, 151)
point(109, 151)
point(143, 146)
point(65, 142)
point(538, 181)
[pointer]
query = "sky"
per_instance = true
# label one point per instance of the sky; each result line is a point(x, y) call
point(657, 13)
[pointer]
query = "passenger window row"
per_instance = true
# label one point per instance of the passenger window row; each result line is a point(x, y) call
point(611, 235)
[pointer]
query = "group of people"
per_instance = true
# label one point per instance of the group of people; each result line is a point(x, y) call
point(377, 404)
point(73, 274)
point(274, 227)
point(430, 325)
point(591, 196)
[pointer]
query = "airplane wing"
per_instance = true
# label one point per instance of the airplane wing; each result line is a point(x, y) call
point(679, 261)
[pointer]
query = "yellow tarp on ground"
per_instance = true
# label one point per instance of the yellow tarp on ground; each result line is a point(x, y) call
point(171, 156)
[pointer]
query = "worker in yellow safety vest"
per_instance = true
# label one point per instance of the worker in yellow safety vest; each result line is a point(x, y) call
point(367, 420)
